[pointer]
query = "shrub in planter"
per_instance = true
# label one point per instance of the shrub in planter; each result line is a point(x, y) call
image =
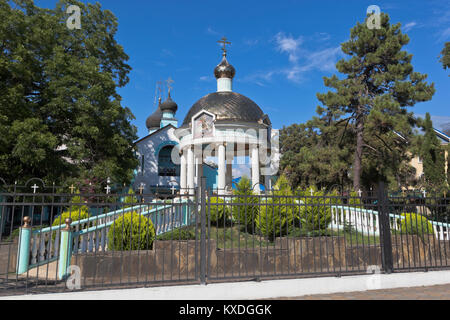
point(415, 224)
point(131, 231)
point(246, 207)
point(219, 210)
point(315, 212)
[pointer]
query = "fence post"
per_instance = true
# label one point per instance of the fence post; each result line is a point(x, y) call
point(23, 256)
point(203, 230)
point(65, 250)
point(385, 230)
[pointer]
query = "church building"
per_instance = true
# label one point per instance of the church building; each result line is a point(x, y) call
point(222, 125)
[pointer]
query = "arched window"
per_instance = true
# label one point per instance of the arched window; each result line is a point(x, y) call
point(166, 168)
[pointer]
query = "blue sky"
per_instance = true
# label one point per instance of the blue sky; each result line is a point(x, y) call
point(280, 49)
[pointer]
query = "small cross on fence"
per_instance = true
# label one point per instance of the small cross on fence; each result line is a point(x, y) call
point(424, 192)
point(359, 193)
point(108, 189)
point(34, 188)
point(312, 192)
point(72, 188)
point(141, 188)
point(173, 189)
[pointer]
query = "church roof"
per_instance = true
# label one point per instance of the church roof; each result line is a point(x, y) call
point(229, 106)
point(154, 133)
point(154, 121)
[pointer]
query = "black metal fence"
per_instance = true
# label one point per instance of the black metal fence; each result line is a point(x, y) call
point(53, 240)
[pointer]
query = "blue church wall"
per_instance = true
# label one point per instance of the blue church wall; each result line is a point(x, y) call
point(211, 175)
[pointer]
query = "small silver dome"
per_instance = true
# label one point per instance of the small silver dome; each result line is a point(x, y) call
point(224, 69)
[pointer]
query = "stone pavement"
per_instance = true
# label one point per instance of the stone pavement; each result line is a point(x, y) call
point(440, 292)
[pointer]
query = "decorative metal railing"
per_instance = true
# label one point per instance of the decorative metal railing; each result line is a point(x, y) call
point(366, 221)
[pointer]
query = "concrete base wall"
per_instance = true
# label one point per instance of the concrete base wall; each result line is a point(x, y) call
point(180, 260)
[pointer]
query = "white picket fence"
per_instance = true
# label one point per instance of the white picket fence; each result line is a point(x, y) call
point(366, 221)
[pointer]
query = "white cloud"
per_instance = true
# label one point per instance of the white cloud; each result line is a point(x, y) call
point(289, 45)
point(241, 170)
point(211, 31)
point(444, 34)
point(205, 78)
point(301, 60)
point(407, 27)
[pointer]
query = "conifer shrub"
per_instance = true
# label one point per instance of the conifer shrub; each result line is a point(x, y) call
point(130, 200)
point(315, 210)
point(76, 214)
point(245, 208)
point(415, 224)
point(131, 231)
point(279, 212)
point(220, 211)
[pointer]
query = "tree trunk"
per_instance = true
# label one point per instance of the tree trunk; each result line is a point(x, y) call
point(357, 165)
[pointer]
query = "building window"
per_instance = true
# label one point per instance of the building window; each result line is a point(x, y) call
point(142, 164)
point(166, 168)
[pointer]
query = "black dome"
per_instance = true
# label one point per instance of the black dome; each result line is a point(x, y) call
point(169, 105)
point(224, 70)
point(154, 121)
point(230, 106)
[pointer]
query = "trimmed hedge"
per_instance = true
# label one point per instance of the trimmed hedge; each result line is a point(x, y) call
point(131, 231)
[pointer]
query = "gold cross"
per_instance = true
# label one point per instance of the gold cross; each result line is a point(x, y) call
point(169, 83)
point(72, 188)
point(224, 43)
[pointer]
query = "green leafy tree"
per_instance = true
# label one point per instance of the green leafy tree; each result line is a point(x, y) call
point(433, 157)
point(445, 58)
point(61, 118)
point(380, 84)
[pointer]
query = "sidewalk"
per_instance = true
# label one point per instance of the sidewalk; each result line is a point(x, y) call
point(441, 292)
point(333, 287)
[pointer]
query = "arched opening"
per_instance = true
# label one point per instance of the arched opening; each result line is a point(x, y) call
point(166, 167)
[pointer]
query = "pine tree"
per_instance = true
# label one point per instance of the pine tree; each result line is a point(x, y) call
point(317, 153)
point(373, 98)
point(61, 117)
point(433, 157)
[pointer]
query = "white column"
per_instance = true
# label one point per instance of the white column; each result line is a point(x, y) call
point(255, 168)
point(190, 170)
point(222, 167)
point(183, 173)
